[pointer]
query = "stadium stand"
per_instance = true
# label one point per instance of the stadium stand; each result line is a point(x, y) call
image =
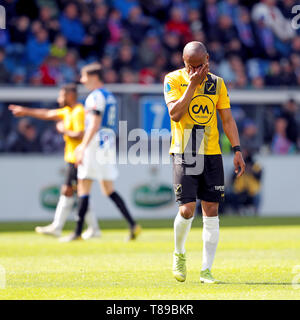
point(251, 44)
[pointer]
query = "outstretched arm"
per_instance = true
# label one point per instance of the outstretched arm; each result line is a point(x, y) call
point(231, 131)
point(43, 114)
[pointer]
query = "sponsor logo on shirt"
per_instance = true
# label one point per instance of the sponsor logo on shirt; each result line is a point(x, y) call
point(210, 88)
point(201, 109)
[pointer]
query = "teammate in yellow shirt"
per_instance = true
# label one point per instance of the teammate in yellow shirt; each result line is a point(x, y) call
point(193, 96)
point(70, 119)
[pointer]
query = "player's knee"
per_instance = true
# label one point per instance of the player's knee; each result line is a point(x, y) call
point(107, 193)
point(210, 209)
point(67, 191)
point(107, 189)
point(187, 210)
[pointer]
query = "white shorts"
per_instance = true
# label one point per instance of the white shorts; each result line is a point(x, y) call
point(98, 163)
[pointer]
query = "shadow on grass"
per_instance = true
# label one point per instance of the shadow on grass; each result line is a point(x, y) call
point(225, 221)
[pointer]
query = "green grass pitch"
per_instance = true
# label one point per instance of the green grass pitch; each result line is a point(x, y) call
point(255, 260)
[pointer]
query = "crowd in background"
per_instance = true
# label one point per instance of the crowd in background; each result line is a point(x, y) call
point(251, 45)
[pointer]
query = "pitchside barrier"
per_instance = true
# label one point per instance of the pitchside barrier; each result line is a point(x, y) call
point(29, 184)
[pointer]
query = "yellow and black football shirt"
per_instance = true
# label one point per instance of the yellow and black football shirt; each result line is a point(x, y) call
point(73, 119)
point(201, 117)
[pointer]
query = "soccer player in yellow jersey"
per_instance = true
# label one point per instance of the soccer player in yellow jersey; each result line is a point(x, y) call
point(193, 96)
point(70, 119)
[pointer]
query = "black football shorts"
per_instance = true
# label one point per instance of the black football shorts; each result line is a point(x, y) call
point(71, 177)
point(206, 182)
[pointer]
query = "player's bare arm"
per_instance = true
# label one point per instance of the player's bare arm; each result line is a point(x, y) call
point(43, 114)
point(88, 135)
point(231, 131)
point(178, 108)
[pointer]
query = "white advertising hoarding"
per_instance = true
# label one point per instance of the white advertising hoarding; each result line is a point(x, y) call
point(29, 187)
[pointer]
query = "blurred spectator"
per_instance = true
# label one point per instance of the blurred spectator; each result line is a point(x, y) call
point(115, 28)
point(59, 47)
point(195, 20)
point(51, 140)
point(288, 76)
point(107, 62)
point(233, 71)
point(286, 6)
point(125, 58)
point(4, 38)
point(49, 22)
point(127, 76)
point(124, 6)
point(241, 81)
point(161, 62)
point(210, 14)
point(149, 49)
point(99, 28)
point(24, 139)
point(234, 47)
point(281, 144)
point(216, 51)
point(5, 125)
point(258, 82)
point(4, 74)
point(288, 112)
point(18, 32)
point(35, 78)
point(176, 60)
point(35, 27)
point(69, 68)
point(273, 78)
point(171, 42)
point(156, 9)
point(147, 75)
point(50, 72)
point(136, 25)
point(249, 137)
point(244, 197)
point(266, 39)
point(38, 48)
point(71, 27)
point(295, 61)
point(178, 24)
point(110, 76)
point(267, 11)
point(225, 30)
point(246, 33)
point(199, 36)
point(296, 45)
point(18, 76)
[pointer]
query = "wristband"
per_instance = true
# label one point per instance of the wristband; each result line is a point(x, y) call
point(236, 148)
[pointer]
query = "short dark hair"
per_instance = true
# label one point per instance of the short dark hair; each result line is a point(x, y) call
point(70, 87)
point(94, 69)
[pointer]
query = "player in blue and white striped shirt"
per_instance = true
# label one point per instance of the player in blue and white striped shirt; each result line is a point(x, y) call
point(97, 153)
